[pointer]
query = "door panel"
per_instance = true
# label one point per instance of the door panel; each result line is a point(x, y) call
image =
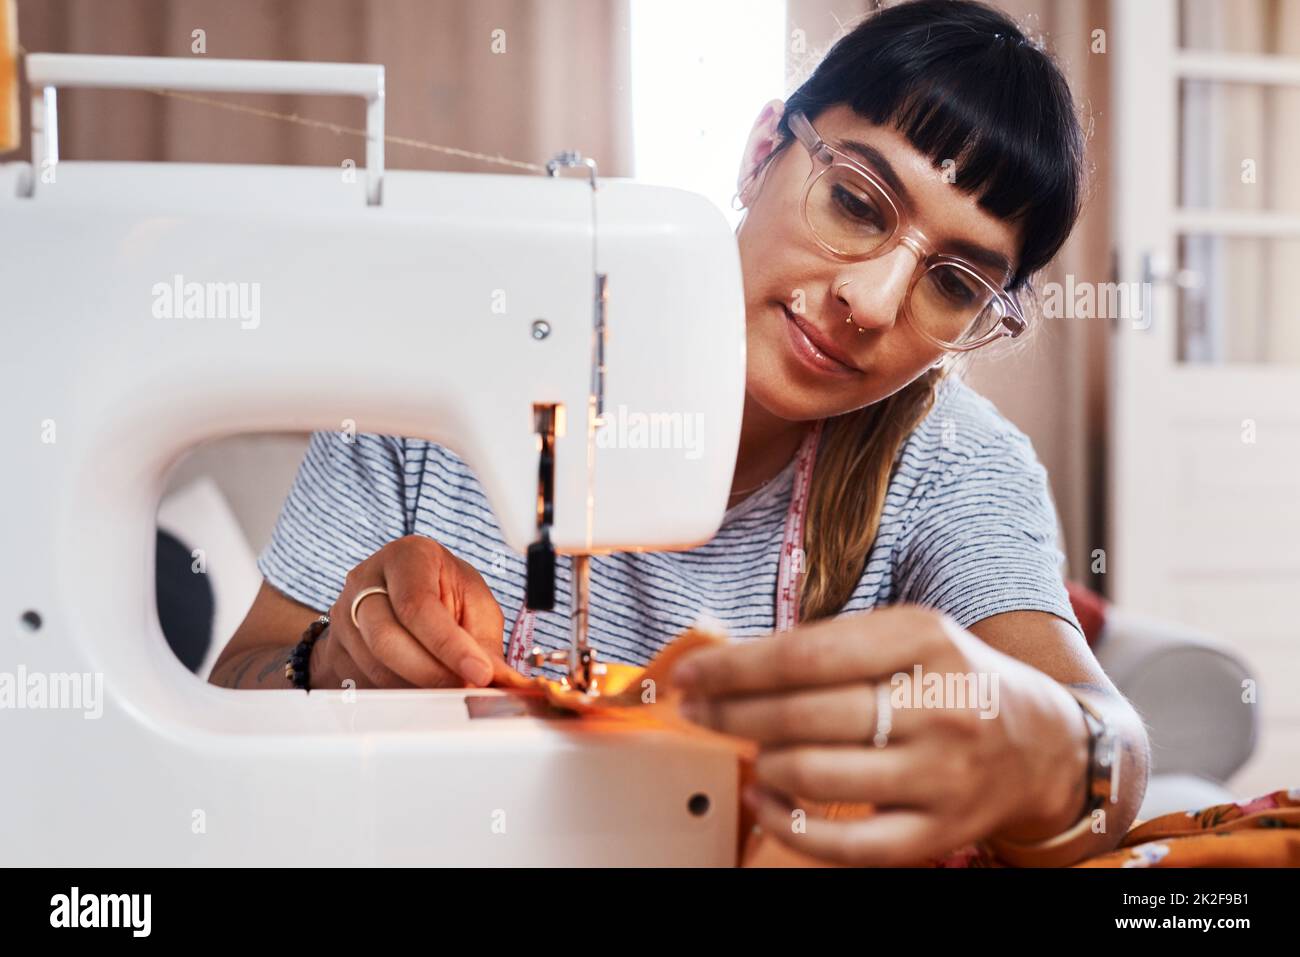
point(1205, 465)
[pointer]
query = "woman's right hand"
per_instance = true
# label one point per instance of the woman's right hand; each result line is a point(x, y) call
point(439, 626)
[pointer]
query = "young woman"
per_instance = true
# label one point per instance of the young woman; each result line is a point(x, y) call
point(897, 206)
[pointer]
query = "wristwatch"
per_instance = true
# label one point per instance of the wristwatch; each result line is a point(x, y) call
point(1102, 786)
point(1103, 756)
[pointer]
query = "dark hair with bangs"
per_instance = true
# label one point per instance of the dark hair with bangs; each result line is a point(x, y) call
point(960, 81)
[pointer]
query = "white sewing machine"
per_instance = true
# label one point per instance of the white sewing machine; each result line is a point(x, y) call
point(375, 292)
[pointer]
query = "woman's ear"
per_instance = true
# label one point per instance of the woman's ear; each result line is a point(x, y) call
point(762, 141)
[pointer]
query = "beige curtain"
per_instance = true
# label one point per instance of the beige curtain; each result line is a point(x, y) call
point(1055, 390)
point(561, 82)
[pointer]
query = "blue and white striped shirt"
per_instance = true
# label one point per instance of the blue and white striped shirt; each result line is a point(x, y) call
point(969, 527)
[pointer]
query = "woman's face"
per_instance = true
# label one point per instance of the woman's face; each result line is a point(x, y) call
point(785, 269)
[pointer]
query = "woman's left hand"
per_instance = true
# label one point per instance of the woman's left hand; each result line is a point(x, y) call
point(993, 748)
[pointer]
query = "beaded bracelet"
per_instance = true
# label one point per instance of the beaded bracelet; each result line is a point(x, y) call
point(295, 669)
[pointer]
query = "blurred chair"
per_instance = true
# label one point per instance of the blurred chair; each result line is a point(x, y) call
point(197, 518)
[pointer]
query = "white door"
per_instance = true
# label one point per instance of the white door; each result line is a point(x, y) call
point(1205, 411)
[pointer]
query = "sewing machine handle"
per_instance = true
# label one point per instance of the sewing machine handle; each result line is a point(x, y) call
point(48, 71)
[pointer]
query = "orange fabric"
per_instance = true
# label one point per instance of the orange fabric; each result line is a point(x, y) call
point(1264, 832)
point(624, 689)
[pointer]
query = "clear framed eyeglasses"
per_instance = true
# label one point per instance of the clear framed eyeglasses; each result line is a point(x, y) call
point(854, 215)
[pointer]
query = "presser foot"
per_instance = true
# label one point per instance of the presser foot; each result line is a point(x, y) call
point(583, 673)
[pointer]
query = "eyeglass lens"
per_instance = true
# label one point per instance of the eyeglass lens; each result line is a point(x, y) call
point(852, 217)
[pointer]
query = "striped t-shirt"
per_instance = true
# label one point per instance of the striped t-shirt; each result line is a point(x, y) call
point(969, 527)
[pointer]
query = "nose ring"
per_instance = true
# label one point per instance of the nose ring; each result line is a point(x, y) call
point(849, 320)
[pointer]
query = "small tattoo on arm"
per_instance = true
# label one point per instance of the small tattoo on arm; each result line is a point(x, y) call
point(275, 664)
point(242, 669)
